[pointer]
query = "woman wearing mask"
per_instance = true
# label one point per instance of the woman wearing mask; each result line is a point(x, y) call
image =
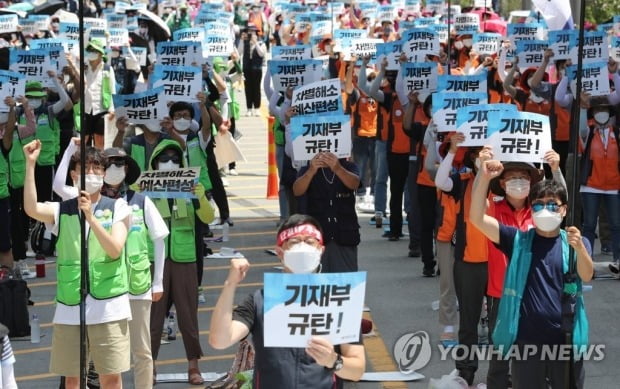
point(299, 247)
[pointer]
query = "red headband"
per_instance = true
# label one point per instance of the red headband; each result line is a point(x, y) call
point(303, 229)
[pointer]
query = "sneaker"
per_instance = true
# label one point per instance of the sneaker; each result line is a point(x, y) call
point(378, 219)
point(359, 200)
point(222, 172)
point(428, 271)
point(25, 272)
point(606, 249)
point(201, 297)
point(614, 267)
point(225, 182)
point(393, 238)
point(233, 172)
point(415, 252)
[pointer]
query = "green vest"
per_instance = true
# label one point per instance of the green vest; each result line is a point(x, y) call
point(17, 161)
point(137, 248)
point(49, 135)
point(181, 242)
point(197, 158)
point(278, 133)
point(138, 154)
point(4, 177)
point(107, 277)
point(106, 99)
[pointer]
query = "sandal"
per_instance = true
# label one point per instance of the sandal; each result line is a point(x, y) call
point(194, 377)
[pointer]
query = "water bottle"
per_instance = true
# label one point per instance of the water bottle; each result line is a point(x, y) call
point(35, 329)
point(172, 327)
point(225, 229)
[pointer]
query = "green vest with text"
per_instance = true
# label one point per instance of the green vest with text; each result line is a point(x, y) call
point(107, 277)
point(137, 248)
point(181, 243)
point(106, 98)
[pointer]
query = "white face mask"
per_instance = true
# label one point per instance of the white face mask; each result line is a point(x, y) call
point(458, 45)
point(92, 56)
point(168, 166)
point(114, 175)
point(115, 54)
point(182, 124)
point(535, 98)
point(55, 25)
point(144, 31)
point(35, 103)
point(468, 42)
point(94, 182)
point(4, 117)
point(601, 117)
point(518, 188)
point(546, 220)
point(302, 258)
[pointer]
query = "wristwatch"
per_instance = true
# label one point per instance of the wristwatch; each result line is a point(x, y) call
point(338, 363)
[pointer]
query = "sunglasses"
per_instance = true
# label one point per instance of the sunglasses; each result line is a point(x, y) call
point(550, 205)
point(166, 158)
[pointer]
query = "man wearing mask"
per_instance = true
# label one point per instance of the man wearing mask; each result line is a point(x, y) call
point(299, 247)
point(180, 286)
point(107, 302)
point(100, 85)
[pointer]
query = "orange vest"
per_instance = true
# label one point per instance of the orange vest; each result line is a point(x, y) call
point(448, 210)
point(541, 108)
point(364, 116)
point(423, 177)
point(562, 130)
point(476, 250)
point(605, 171)
point(398, 141)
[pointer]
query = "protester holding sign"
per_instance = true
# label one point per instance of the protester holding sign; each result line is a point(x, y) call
point(539, 265)
point(471, 254)
point(13, 140)
point(100, 85)
point(180, 284)
point(299, 247)
point(600, 173)
point(252, 52)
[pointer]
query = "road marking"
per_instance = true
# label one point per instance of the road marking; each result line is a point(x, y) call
point(379, 356)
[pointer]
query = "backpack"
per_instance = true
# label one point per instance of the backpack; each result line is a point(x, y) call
point(42, 241)
point(14, 296)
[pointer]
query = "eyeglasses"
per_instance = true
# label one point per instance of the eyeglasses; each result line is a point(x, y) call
point(182, 116)
point(117, 162)
point(550, 205)
point(309, 240)
point(167, 157)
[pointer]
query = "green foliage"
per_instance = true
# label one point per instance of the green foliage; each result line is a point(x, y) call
point(601, 11)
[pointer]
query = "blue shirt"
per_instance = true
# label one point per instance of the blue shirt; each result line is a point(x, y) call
point(541, 307)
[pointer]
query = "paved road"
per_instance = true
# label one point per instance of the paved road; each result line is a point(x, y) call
point(398, 296)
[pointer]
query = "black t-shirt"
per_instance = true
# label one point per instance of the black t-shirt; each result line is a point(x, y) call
point(541, 307)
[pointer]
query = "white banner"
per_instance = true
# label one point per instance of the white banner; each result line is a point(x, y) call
point(472, 121)
point(519, 136)
point(316, 133)
point(322, 97)
point(447, 104)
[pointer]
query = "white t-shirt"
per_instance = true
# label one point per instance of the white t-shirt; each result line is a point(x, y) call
point(97, 311)
point(7, 377)
point(158, 230)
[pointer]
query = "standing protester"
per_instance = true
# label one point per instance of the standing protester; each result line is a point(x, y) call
point(145, 253)
point(100, 85)
point(252, 51)
point(107, 302)
point(180, 284)
point(534, 302)
point(329, 185)
point(320, 363)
